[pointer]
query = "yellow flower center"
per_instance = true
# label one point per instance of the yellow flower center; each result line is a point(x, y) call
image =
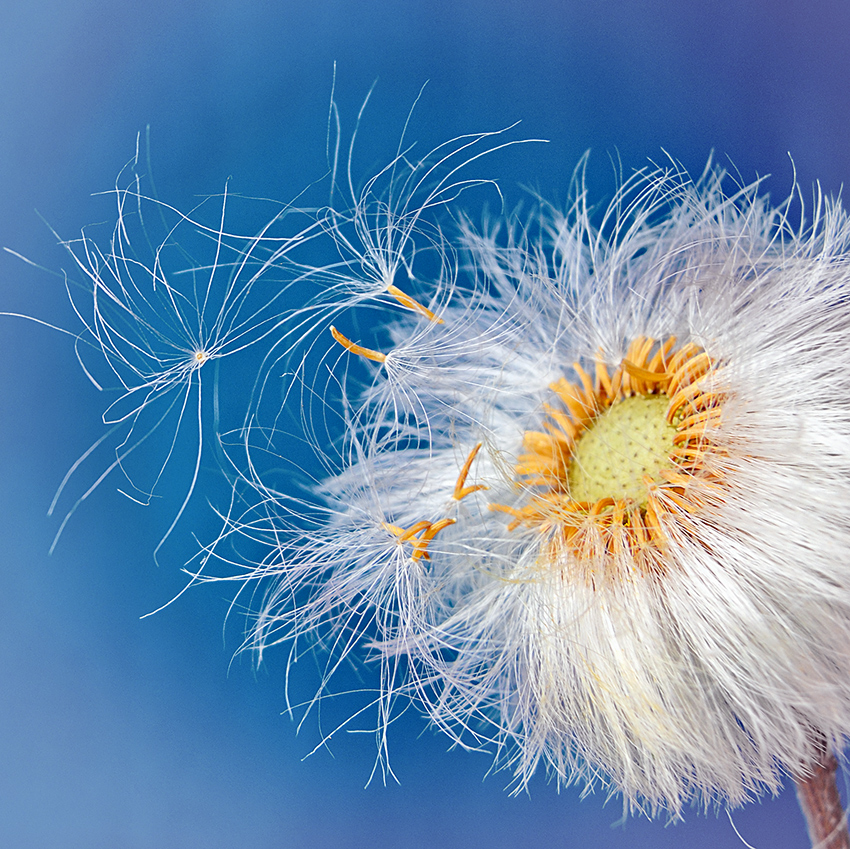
point(622, 461)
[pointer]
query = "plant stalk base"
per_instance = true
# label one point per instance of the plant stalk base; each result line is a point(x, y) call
point(819, 799)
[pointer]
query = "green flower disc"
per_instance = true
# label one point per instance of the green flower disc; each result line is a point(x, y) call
point(630, 439)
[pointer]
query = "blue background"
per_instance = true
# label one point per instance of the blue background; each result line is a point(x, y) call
point(117, 731)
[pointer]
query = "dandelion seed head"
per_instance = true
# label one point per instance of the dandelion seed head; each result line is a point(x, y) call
point(589, 510)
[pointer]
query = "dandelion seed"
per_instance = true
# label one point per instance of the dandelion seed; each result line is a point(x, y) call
point(155, 317)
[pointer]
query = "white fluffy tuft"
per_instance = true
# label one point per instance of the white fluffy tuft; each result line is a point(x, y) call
point(706, 683)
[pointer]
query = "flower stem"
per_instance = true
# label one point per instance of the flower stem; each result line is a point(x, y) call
point(819, 799)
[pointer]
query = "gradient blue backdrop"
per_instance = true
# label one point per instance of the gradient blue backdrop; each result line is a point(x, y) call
point(121, 732)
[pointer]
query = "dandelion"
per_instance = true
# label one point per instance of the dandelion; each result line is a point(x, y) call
point(582, 492)
point(590, 508)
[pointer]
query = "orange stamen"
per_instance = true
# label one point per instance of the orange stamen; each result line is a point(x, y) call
point(683, 354)
point(346, 343)
point(603, 379)
point(691, 370)
point(413, 530)
point(580, 408)
point(658, 361)
point(406, 301)
point(461, 490)
point(564, 422)
point(643, 374)
point(586, 382)
point(426, 530)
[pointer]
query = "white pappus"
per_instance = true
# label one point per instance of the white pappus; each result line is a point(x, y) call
point(590, 507)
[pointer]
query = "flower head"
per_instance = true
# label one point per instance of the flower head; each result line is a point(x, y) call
point(592, 501)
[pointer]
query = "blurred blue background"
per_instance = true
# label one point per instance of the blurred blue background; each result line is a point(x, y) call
point(117, 731)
